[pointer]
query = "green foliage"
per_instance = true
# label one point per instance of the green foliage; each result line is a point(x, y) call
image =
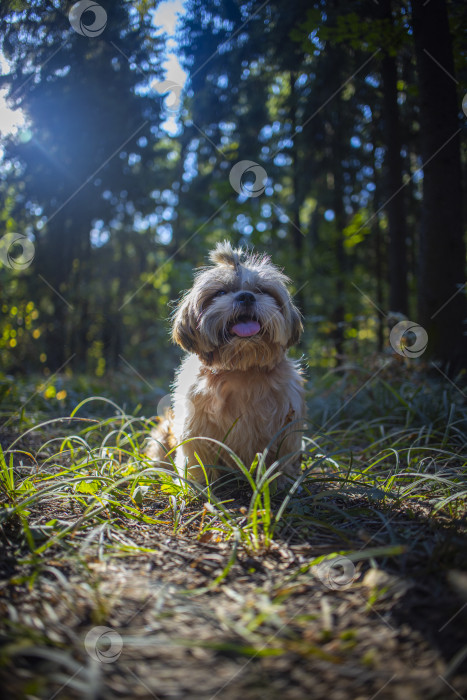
point(358, 30)
point(120, 210)
point(356, 231)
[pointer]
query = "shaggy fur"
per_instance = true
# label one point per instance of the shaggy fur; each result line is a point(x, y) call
point(243, 391)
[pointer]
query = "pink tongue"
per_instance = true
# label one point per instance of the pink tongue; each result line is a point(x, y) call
point(246, 328)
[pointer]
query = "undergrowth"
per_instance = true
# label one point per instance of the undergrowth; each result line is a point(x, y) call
point(69, 485)
point(100, 544)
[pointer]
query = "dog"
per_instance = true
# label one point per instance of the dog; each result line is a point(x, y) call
point(236, 385)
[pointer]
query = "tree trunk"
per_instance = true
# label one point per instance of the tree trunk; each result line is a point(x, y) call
point(380, 250)
point(338, 315)
point(442, 306)
point(296, 230)
point(395, 207)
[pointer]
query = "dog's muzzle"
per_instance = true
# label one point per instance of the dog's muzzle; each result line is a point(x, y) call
point(246, 325)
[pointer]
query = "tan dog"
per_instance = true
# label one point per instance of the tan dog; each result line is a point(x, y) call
point(237, 385)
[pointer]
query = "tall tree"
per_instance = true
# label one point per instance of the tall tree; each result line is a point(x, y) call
point(395, 207)
point(84, 167)
point(441, 295)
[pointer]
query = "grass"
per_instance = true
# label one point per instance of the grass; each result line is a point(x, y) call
point(383, 486)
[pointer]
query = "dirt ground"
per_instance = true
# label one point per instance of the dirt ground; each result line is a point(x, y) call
point(384, 627)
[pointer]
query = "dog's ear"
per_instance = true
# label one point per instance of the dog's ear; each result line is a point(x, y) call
point(296, 326)
point(183, 331)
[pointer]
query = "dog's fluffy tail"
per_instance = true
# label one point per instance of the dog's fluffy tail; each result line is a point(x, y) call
point(161, 440)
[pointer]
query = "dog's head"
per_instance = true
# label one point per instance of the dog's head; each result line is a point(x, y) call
point(238, 314)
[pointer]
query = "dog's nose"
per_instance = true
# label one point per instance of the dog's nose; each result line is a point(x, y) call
point(246, 298)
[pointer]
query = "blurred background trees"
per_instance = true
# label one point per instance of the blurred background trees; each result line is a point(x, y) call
point(353, 109)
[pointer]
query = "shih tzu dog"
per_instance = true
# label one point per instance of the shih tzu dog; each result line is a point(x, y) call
point(237, 384)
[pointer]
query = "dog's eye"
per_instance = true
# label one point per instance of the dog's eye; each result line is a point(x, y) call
point(220, 293)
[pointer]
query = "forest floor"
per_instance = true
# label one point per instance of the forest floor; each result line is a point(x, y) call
point(116, 581)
